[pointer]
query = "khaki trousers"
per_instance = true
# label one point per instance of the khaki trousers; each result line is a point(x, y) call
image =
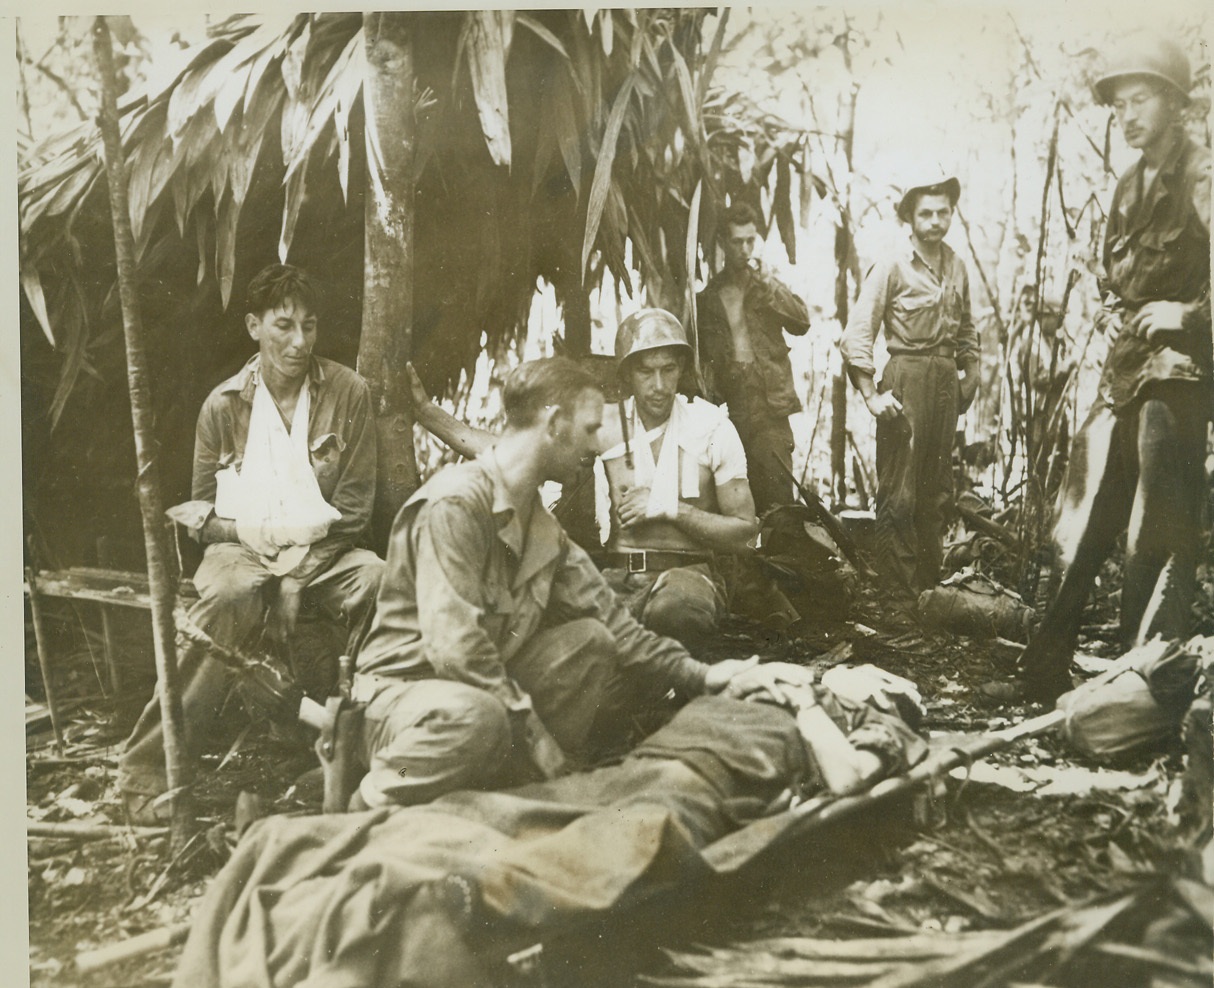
point(427, 737)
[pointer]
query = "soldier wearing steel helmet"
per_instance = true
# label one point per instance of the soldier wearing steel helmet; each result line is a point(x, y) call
point(672, 496)
point(672, 489)
point(1138, 461)
point(919, 294)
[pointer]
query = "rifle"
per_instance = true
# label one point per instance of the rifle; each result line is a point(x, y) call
point(339, 721)
point(845, 542)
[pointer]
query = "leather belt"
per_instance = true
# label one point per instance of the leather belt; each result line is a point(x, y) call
point(942, 350)
point(654, 560)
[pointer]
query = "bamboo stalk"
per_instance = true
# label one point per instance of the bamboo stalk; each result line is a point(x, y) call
point(987, 287)
point(178, 768)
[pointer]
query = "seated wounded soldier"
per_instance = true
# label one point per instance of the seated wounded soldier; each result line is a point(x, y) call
point(671, 490)
point(283, 485)
point(441, 895)
point(497, 650)
point(671, 486)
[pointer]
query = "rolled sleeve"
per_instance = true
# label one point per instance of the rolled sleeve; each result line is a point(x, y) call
point(579, 590)
point(451, 552)
point(726, 456)
point(864, 322)
point(192, 515)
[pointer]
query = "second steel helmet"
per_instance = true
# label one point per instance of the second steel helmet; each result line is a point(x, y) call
point(1149, 55)
point(648, 329)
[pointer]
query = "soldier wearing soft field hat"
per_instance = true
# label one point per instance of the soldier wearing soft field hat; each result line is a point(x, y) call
point(919, 293)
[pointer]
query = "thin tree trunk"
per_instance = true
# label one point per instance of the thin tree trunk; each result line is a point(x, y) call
point(161, 578)
point(386, 342)
point(843, 254)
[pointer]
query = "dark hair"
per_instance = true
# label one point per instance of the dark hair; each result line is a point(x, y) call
point(539, 384)
point(739, 214)
point(273, 285)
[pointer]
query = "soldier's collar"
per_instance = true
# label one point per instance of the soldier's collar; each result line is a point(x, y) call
point(245, 380)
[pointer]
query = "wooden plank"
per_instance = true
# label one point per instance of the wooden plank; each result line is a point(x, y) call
point(103, 586)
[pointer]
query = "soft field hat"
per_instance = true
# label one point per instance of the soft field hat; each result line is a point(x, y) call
point(935, 182)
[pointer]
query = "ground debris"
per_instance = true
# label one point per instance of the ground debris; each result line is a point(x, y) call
point(1161, 926)
point(991, 858)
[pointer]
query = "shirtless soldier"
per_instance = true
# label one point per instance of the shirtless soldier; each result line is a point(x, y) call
point(742, 316)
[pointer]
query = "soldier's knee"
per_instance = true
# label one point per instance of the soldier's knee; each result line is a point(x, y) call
point(433, 739)
point(366, 584)
point(592, 636)
point(234, 591)
point(681, 616)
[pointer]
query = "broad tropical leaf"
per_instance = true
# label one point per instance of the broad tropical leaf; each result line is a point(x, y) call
point(601, 183)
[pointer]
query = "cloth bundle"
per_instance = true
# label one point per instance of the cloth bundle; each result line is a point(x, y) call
point(686, 429)
point(274, 498)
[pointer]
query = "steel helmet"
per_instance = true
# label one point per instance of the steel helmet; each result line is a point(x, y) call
point(1149, 55)
point(648, 329)
point(934, 180)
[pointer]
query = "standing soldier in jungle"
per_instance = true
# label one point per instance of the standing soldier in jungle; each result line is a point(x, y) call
point(1138, 462)
point(920, 294)
point(742, 316)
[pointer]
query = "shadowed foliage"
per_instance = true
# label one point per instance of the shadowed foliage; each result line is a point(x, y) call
point(560, 145)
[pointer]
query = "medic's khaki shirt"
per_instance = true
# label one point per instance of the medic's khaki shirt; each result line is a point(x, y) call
point(465, 588)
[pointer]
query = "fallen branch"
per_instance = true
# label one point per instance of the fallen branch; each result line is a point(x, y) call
point(146, 943)
point(987, 527)
point(68, 761)
point(90, 831)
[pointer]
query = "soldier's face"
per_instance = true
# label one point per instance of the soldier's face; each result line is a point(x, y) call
point(285, 337)
point(931, 219)
point(575, 436)
point(654, 377)
point(739, 245)
point(1143, 110)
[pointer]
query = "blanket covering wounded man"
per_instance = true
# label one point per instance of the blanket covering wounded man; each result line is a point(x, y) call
point(440, 894)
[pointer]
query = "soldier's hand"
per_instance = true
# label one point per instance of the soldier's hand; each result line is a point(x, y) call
point(634, 505)
point(545, 752)
point(968, 390)
point(1157, 321)
point(884, 406)
point(721, 674)
point(772, 681)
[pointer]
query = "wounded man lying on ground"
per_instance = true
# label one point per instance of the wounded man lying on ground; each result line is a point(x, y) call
point(442, 894)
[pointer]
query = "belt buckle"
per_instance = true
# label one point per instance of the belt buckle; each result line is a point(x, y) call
point(633, 557)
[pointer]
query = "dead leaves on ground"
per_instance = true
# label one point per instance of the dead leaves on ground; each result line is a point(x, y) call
point(1162, 930)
